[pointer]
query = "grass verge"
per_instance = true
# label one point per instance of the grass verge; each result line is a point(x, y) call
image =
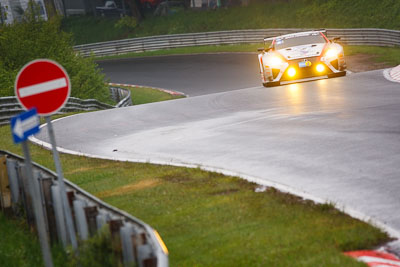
point(389, 55)
point(143, 95)
point(20, 247)
point(259, 14)
point(208, 219)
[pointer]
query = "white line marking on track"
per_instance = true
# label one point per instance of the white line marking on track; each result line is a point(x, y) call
point(42, 87)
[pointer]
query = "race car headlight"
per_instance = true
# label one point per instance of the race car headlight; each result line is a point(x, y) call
point(275, 61)
point(320, 68)
point(291, 72)
point(331, 53)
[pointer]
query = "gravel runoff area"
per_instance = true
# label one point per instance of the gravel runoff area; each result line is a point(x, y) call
point(364, 62)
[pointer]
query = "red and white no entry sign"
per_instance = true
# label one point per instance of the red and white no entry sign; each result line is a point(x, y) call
point(43, 84)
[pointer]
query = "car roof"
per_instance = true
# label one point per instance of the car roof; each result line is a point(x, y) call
point(293, 35)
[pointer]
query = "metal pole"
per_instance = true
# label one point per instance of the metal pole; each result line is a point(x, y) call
point(38, 209)
point(64, 201)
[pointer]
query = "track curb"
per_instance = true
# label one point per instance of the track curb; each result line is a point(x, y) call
point(392, 74)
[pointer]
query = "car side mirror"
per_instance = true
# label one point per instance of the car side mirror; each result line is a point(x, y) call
point(336, 39)
point(261, 49)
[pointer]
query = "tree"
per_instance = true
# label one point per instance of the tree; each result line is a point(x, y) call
point(34, 38)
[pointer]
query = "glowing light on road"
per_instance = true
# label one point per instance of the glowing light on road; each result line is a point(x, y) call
point(295, 99)
point(291, 72)
point(294, 88)
point(320, 68)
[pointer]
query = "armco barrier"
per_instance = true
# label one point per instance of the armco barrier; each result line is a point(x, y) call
point(367, 36)
point(9, 106)
point(133, 241)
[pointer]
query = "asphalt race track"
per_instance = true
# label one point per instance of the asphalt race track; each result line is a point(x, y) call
point(335, 139)
point(191, 74)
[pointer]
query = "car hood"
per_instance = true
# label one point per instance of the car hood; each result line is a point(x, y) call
point(302, 51)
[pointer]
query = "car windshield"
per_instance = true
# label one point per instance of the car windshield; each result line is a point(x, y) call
point(282, 43)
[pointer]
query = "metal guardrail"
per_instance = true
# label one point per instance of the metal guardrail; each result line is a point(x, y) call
point(9, 106)
point(367, 36)
point(122, 96)
point(134, 241)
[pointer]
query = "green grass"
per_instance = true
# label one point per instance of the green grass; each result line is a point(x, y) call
point(389, 55)
point(207, 219)
point(259, 14)
point(20, 247)
point(143, 95)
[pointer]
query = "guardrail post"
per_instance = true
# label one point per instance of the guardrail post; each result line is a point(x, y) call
point(20, 176)
point(150, 262)
point(80, 219)
point(14, 185)
point(5, 193)
point(136, 242)
point(102, 219)
point(45, 186)
point(91, 214)
point(27, 198)
point(145, 256)
point(37, 182)
point(59, 214)
point(128, 256)
point(70, 198)
point(115, 226)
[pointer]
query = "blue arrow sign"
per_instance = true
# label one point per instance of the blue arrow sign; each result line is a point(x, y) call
point(24, 125)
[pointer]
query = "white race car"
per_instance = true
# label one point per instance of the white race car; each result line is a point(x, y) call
point(300, 55)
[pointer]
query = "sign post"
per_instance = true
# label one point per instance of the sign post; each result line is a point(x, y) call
point(45, 85)
point(23, 126)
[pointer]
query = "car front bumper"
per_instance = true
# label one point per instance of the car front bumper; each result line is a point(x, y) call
point(281, 73)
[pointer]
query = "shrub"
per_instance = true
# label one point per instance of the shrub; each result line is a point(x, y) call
point(34, 38)
point(126, 22)
point(96, 251)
